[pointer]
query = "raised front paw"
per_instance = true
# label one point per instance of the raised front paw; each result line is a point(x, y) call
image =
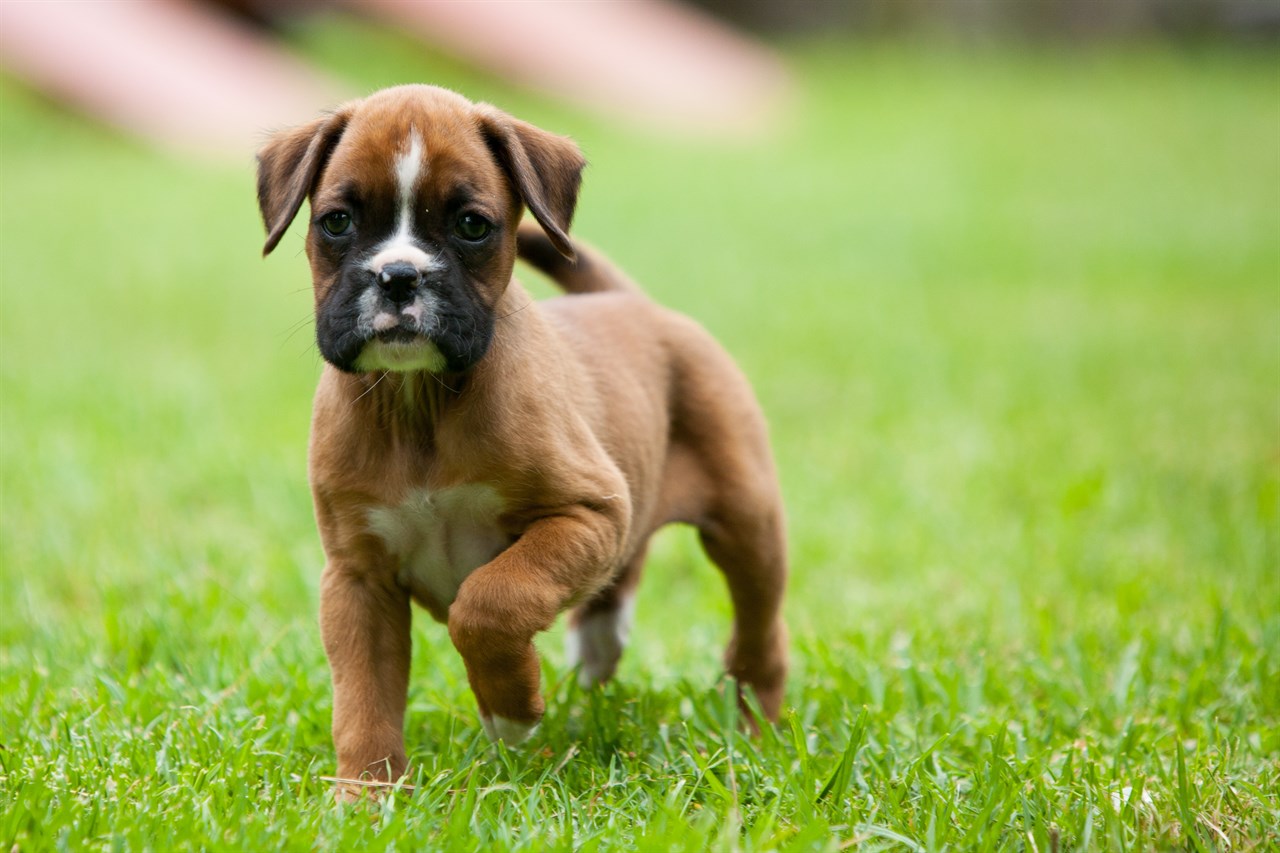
point(503, 670)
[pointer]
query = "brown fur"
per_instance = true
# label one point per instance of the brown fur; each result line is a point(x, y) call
point(597, 418)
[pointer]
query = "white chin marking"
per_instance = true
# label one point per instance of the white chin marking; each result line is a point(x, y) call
point(596, 643)
point(400, 358)
point(510, 732)
point(384, 321)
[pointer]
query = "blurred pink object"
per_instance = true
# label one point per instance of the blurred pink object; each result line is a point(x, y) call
point(194, 78)
point(649, 62)
point(185, 75)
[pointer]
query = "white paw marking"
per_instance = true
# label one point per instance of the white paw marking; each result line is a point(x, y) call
point(510, 732)
point(597, 642)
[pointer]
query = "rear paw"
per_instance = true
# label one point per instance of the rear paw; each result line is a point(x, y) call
point(596, 642)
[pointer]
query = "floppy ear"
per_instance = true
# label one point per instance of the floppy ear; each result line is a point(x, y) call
point(546, 170)
point(288, 166)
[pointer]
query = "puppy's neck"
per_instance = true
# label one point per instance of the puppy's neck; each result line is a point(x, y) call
point(417, 400)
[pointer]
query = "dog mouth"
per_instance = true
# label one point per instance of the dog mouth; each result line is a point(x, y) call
point(433, 332)
point(399, 326)
point(400, 335)
point(398, 341)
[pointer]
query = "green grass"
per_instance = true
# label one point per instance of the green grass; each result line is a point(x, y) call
point(1015, 318)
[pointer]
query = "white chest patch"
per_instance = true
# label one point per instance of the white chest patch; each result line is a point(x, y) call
point(441, 537)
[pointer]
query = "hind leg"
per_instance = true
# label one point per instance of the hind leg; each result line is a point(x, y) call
point(598, 629)
point(747, 542)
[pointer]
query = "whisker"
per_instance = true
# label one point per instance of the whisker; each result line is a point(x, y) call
point(437, 378)
point(518, 310)
point(375, 384)
point(295, 328)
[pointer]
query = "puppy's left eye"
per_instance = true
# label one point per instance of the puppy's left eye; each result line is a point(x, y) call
point(336, 224)
point(472, 227)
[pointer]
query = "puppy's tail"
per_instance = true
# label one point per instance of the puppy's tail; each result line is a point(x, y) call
point(591, 272)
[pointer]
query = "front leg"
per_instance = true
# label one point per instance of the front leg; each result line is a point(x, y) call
point(364, 619)
point(556, 561)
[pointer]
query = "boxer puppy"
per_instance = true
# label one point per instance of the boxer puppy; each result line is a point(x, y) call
point(494, 459)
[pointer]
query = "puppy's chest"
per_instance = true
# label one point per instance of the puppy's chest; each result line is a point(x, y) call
point(439, 538)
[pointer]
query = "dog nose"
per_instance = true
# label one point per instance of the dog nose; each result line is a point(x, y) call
point(398, 280)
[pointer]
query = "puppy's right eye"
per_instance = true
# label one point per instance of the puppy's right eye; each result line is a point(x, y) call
point(336, 224)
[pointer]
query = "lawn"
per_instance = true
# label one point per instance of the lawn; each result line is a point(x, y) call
point(1014, 315)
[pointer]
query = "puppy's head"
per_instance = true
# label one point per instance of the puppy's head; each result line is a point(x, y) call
point(415, 197)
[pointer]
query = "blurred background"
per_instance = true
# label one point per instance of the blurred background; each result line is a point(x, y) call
point(206, 75)
point(1005, 275)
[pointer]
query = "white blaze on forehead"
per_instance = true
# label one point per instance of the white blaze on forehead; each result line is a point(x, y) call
point(401, 246)
point(408, 165)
